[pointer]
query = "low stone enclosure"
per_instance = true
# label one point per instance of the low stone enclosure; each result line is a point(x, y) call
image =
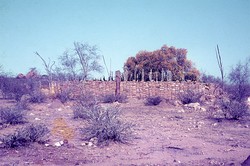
point(134, 89)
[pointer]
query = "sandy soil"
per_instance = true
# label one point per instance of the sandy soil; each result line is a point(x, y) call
point(165, 135)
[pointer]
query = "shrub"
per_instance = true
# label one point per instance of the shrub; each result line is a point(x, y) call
point(86, 100)
point(111, 98)
point(25, 136)
point(106, 126)
point(189, 96)
point(85, 106)
point(12, 116)
point(14, 88)
point(64, 95)
point(233, 109)
point(23, 104)
point(83, 112)
point(153, 101)
point(239, 79)
point(37, 96)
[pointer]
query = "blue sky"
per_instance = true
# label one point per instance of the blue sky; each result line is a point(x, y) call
point(121, 28)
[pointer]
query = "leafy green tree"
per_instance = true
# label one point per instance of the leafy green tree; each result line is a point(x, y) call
point(164, 59)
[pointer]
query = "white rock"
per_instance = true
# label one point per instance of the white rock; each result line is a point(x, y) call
point(181, 110)
point(59, 109)
point(60, 143)
point(90, 144)
point(57, 144)
point(215, 124)
point(37, 119)
point(32, 114)
point(46, 145)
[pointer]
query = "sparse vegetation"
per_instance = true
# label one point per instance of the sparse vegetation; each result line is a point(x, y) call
point(190, 96)
point(153, 101)
point(233, 109)
point(64, 95)
point(37, 96)
point(13, 88)
point(106, 126)
point(25, 136)
point(111, 98)
point(12, 116)
point(239, 82)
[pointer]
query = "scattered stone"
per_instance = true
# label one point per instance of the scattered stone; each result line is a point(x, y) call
point(177, 103)
point(32, 114)
point(37, 119)
point(215, 124)
point(46, 145)
point(59, 109)
point(195, 106)
point(58, 144)
point(90, 144)
point(181, 110)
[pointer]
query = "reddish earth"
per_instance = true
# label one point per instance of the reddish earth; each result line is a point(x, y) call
point(165, 135)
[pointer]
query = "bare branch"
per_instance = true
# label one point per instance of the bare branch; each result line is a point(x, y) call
point(219, 61)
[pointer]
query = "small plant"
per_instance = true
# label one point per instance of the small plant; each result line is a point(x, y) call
point(189, 96)
point(12, 116)
point(153, 101)
point(25, 136)
point(111, 98)
point(106, 126)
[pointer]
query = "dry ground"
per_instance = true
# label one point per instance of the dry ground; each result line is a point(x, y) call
point(165, 135)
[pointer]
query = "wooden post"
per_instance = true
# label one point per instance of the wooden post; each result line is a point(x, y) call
point(150, 75)
point(142, 75)
point(162, 74)
point(118, 82)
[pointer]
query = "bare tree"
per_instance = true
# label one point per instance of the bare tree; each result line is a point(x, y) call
point(69, 63)
point(89, 59)
point(48, 67)
point(239, 79)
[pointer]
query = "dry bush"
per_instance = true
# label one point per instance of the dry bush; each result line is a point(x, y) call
point(85, 106)
point(153, 100)
point(23, 104)
point(64, 94)
point(12, 116)
point(189, 96)
point(106, 126)
point(25, 136)
point(37, 96)
point(13, 88)
point(233, 109)
point(111, 98)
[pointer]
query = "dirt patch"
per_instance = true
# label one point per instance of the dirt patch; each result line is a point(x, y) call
point(62, 129)
point(164, 135)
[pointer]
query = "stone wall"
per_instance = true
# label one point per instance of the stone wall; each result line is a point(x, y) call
point(133, 89)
